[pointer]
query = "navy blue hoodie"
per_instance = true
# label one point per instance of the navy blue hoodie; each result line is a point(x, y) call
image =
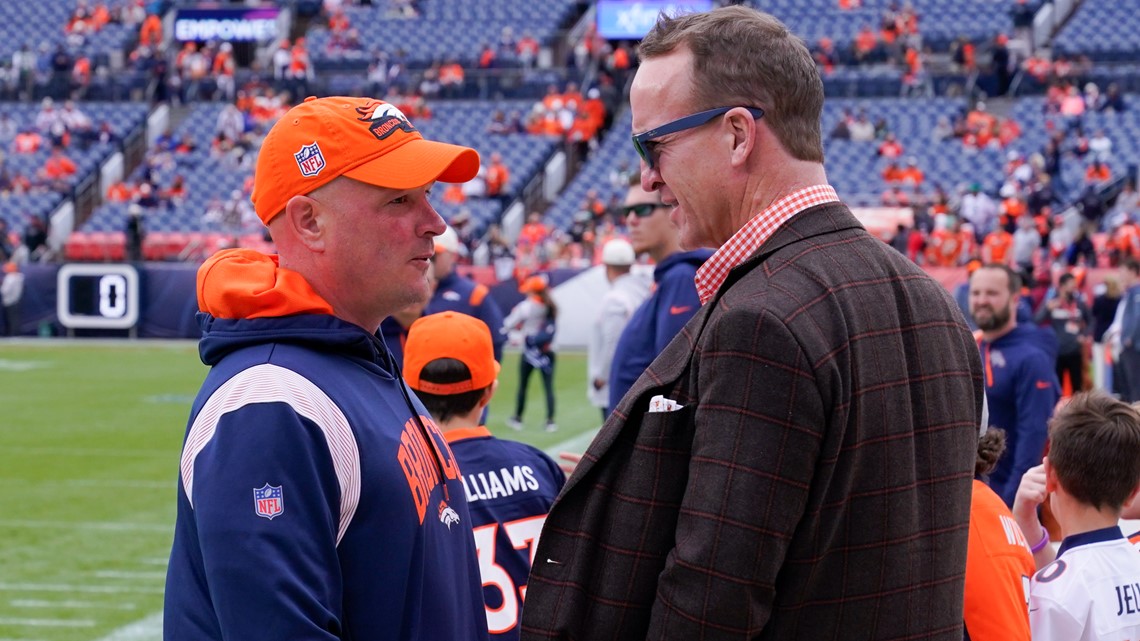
point(673, 302)
point(1022, 388)
point(316, 499)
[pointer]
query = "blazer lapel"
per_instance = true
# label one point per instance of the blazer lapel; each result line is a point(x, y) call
point(666, 370)
point(662, 373)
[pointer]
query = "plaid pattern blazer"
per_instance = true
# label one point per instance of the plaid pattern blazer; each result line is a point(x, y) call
point(816, 483)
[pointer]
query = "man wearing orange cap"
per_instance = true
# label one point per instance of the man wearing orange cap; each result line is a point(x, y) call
point(450, 362)
point(316, 497)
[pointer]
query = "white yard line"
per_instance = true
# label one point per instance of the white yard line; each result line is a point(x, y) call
point(577, 445)
point(148, 629)
point(84, 451)
point(91, 483)
point(104, 526)
point(119, 574)
point(107, 526)
point(72, 588)
point(70, 604)
point(48, 623)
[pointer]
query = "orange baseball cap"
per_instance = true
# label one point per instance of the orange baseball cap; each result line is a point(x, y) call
point(450, 335)
point(533, 285)
point(362, 138)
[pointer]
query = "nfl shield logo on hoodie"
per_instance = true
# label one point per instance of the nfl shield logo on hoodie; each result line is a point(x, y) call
point(310, 160)
point(268, 501)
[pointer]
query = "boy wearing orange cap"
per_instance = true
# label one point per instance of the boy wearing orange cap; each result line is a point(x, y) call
point(449, 361)
point(316, 497)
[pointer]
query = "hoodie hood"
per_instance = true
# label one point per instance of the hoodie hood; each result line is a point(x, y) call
point(695, 257)
point(243, 283)
point(1026, 336)
point(247, 299)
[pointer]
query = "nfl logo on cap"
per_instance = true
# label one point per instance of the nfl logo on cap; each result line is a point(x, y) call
point(268, 501)
point(310, 160)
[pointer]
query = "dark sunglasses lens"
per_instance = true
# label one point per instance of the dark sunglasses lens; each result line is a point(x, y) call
point(641, 211)
point(642, 153)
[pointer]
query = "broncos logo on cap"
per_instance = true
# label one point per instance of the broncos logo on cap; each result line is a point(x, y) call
point(384, 119)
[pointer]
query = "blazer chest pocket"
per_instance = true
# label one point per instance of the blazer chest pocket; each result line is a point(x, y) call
point(650, 466)
point(666, 429)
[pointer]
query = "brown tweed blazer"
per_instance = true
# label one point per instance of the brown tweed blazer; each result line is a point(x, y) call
point(815, 485)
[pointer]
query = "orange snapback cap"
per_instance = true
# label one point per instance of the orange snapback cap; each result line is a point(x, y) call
point(362, 138)
point(450, 335)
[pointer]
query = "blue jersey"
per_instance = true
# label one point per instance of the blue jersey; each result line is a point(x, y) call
point(510, 487)
point(455, 293)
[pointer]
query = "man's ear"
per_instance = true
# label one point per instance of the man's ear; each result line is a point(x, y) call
point(305, 221)
point(744, 130)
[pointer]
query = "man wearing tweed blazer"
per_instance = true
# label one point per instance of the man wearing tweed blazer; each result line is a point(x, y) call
point(806, 472)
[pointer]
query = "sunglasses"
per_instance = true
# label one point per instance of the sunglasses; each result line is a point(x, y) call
point(641, 141)
point(644, 210)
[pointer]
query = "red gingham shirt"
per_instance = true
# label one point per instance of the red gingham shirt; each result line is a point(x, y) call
point(752, 235)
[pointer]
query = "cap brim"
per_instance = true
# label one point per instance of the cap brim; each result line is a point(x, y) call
point(417, 163)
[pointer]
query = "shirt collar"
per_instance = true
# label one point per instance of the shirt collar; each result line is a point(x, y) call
point(1095, 536)
point(754, 233)
point(463, 433)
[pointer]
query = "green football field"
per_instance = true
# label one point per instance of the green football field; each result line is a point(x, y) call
point(90, 433)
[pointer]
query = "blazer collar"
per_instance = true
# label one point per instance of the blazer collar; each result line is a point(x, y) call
point(665, 370)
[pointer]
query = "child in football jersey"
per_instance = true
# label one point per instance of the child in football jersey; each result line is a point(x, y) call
point(449, 361)
point(998, 560)
point(1092, 589)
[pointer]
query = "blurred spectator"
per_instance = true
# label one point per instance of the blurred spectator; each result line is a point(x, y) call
point(57, 170)
point(1125, 242)
point(527, 49)
point(118, 192)
point(1001, 63)
point(11, 291)
point(231, 122)
point(892, 173)
point(223, 69)
point(1071, 321)
point(135, 233)
point(1026, 241)
point(1100, 146)
point(150, 33)
point(996, 247)
point(497, 178)
point(862, 129)
point(890, 147)
point(8, 129)
point(280, 63)
point(35, 242)
point(1127, 205)
point(942, 130)
point(840, 131)
point(865, 43)
point(78, 124)
point(978, 209)
point(911, 174)
point(1111, 100)
point(1097, 173)
point(451, 79)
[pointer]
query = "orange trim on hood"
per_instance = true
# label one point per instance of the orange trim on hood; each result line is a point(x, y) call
point(243, 283)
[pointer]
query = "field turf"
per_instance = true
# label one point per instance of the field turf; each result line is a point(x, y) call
point(90, 433)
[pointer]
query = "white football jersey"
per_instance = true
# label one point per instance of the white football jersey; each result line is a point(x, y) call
point(1092, 590)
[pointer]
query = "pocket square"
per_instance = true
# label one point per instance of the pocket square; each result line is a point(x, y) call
point(661, 404)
